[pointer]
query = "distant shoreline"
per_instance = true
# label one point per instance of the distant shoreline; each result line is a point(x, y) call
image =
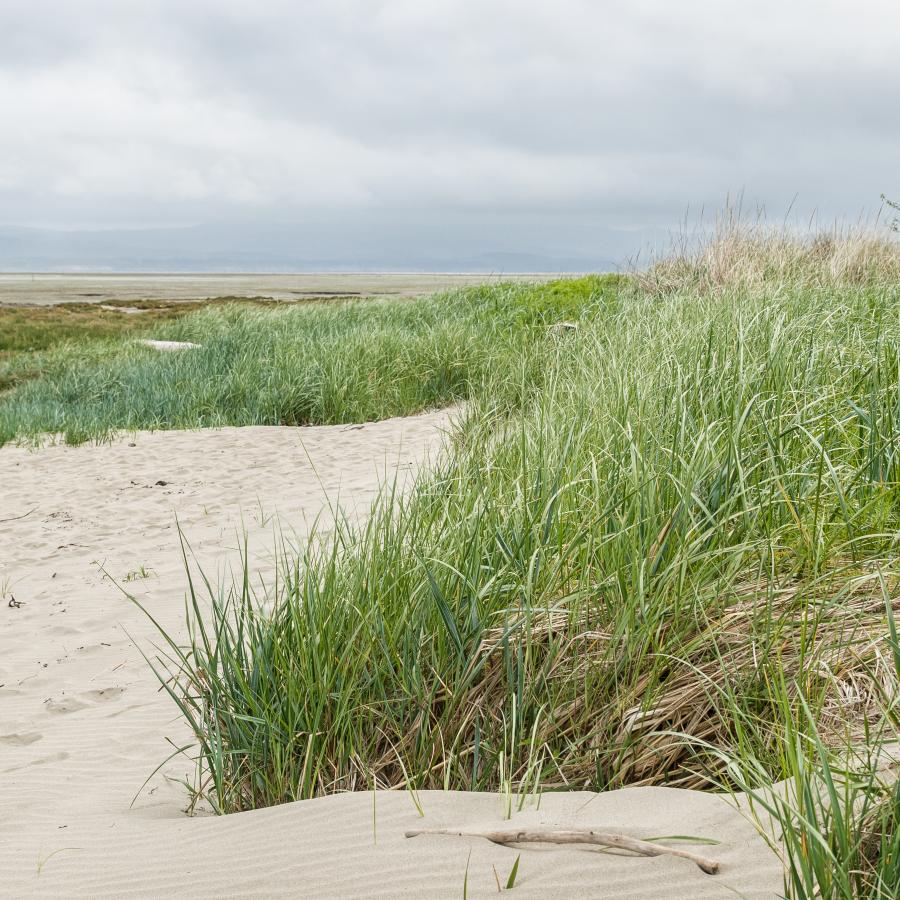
point(324, 273)
point(51, 288)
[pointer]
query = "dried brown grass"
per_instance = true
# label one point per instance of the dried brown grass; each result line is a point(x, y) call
point(746, 257)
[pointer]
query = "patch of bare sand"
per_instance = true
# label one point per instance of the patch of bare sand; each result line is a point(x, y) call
point(82, 722)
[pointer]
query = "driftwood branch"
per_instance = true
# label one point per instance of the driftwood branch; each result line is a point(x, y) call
point(578, 836)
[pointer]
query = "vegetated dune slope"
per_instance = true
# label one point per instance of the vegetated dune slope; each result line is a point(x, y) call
point(83, 722)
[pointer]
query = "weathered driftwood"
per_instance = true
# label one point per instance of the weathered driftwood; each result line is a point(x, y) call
point(577, 836)
point(168, 346)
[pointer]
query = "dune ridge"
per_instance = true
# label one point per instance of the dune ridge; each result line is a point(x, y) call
point(83, 723)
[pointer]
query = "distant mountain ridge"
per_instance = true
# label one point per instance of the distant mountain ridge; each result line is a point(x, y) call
point(287, 248)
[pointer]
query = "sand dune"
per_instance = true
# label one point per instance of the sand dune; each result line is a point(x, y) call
point(82, 723)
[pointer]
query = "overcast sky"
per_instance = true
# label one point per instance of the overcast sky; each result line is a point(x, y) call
point(539, 122)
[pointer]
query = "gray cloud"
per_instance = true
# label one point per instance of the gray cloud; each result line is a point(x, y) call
point(480, 114)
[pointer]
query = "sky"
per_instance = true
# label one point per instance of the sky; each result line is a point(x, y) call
point(441, 129)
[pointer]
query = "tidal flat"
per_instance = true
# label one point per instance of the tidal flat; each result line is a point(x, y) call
point(48, 289)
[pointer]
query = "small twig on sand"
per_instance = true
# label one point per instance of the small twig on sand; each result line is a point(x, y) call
point(15, 518)
point(577, 836)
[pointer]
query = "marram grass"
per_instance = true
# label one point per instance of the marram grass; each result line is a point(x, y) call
point(670, 559)
point(286, 364)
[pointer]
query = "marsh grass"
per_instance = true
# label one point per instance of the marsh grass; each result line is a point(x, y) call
point(678, 553)
point(299, 364)
point(34, 340)
point(34, 328)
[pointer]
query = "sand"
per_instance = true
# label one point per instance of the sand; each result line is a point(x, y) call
point(83, 724)
point(46, 289)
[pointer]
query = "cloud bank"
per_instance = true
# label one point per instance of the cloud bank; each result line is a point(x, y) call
point(489, 121)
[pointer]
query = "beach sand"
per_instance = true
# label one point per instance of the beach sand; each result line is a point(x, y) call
point(83, 722)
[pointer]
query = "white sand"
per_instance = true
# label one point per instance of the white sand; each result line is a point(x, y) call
point(82, 723)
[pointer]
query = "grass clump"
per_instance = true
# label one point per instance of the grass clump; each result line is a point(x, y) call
point(294, 365)
point(679, 553)
point(835, 822)
point(38, 341)
point(34, 328)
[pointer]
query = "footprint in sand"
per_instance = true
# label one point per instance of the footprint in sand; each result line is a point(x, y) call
point(103, 695)
point(20, 740)
point(83, 700)
point(60, 630)
point(64, 705)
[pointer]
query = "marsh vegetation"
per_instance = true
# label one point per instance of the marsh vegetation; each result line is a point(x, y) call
point(265, 364)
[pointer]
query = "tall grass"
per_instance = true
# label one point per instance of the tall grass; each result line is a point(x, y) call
point(294, 365)
point(834, 820)
point(756, 257)
point(681, 548)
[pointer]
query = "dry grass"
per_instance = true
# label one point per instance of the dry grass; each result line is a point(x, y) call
point(742, 257)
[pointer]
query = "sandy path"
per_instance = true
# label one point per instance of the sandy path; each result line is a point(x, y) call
point(82, 723)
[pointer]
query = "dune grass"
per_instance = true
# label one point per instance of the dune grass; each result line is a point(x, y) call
point(675, 563)
point(835, 821)
point(291, 365)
